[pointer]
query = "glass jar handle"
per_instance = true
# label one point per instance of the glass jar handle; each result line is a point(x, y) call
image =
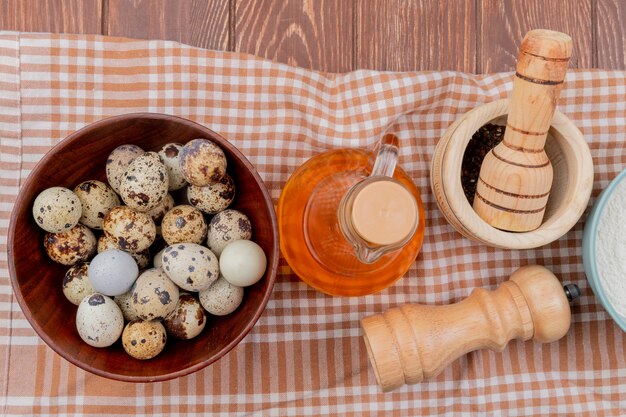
point(386, 157)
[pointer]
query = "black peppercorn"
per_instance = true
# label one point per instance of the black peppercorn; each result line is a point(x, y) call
point(485, 139)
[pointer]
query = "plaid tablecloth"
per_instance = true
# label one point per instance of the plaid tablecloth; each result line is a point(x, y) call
point(305, 356)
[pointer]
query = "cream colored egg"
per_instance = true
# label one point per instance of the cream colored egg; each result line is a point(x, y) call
point(212, 198)
point(243, 263)
point(144, 339)
point(71, 247)
point(144, 184)
point(183, 224)
point(129, 229)
point(57, 210)
point(125, 303)
point(155, 295)
point(96, 199)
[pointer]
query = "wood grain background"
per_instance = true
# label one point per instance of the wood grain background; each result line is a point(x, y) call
point(477, 36)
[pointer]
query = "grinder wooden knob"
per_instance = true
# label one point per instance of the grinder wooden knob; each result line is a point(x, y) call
point(414, 342)
point(516, 176)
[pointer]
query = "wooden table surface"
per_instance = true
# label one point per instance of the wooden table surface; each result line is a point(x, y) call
point(478, 36)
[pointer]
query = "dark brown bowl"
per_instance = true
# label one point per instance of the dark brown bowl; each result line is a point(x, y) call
point(37, 281)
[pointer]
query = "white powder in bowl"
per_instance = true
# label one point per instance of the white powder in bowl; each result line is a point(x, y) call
point(610, 248)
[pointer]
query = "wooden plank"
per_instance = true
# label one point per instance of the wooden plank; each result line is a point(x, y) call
point(406, 35)
point(311, 34)
point(58, 16)
point(505, 22)
point(611, 34)
point(202, 23)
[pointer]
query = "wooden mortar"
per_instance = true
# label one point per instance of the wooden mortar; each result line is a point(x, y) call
point(516, 176)
point(414, 342)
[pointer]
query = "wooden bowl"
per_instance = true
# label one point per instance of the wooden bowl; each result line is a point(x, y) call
point(569, 195)
point(37, 281)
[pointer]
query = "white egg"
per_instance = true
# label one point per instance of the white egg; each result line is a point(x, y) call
point(99, 320)
point(113, 272)
point(243, 263)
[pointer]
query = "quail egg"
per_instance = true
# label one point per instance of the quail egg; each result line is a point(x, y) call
point(157, 262)
point(68, 248)
point(159, 211)
point(113, 272)
point(221, 298)
point(187, 320)
point(243, 263)
point(131, 230)
point(191, 266)
point(202, 162)
point(96, 199)
point(118, 162)
point(125, 303)
point(169, 156)
point(155, 295)
point(145, 183)
point(57, 210)
point(212, 198)
point(225, 227)
point(183, 224)
point(99, 320)
point(76, 285)
point(144, 339)
point(142, 258)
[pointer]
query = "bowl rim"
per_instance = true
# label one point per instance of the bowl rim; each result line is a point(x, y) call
point(589, 249)
point(465, 219)
point(21, 200)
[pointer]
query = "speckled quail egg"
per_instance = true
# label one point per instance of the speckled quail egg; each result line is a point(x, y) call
point(144, 339)
point(57, 210)
point(131, 230)
point(187, 320)
point(96, 199)
point(68, 248)
point(169, 156)
point(243, 263)
point(191, 266)
point(159, 211)
point(225, 227)
point(76, 285)
point(183, 224)
point(125, 303)
point(118, 161)
point(142, 258)
point(202, 162)
point(99, 320)
point(221, 298)
point(212, 198)
point(145, 183)
point(155, 295)
point(157, 262)
point(113, 272)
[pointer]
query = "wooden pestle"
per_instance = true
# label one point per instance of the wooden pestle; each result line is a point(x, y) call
point(516, 176)
point(414, 342)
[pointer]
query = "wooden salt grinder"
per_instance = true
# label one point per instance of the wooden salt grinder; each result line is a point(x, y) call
point(516, 176)
point(414, 342)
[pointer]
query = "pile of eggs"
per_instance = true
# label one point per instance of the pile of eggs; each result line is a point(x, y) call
point(158, 266)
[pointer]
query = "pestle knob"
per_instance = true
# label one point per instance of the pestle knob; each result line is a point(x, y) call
point(414, 342)
point(516, 176)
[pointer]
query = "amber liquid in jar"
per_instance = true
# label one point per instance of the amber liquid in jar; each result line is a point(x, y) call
point(310, 236)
